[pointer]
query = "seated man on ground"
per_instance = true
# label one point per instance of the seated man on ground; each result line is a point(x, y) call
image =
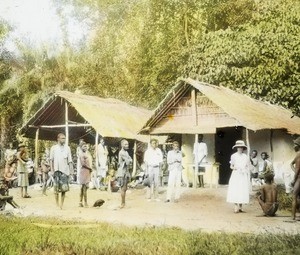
point(268, 196)
point(4, 196)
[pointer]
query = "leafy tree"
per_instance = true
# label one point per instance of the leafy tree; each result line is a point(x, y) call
point(260, 58)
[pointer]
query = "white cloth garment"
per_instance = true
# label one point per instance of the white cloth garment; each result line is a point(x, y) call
point(239, 182)
point(201, 150)
point(174, 159)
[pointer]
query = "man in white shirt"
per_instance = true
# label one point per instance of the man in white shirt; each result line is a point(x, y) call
point(61, 165)
point(200, 150)
point(102, 154)
point(174, 160)
point(153, 159)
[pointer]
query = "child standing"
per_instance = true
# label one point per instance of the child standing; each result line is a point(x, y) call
point(23, 181)
point(85, 173)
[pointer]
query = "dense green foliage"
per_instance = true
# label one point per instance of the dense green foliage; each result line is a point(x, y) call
point(138, 49)
point(37, 236)
point(260, 58)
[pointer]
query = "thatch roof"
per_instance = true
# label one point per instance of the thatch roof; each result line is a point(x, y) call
point(109, 117)
point(239, 109)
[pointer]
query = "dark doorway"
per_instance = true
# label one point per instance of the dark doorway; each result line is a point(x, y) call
point(225, 139)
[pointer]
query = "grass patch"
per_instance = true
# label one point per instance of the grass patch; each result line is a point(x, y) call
point(52, 236)
point(285, 200)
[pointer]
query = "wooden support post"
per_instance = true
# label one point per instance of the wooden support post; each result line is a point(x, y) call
point(194, 106)
point(196, 162)
point(134, 159)
point(96, 149)
point(194, 113)
point(67, 122)
point(248, 142)
point(271, 144)
point(36, 150)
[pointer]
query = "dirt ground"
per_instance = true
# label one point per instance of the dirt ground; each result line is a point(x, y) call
point(198, 209)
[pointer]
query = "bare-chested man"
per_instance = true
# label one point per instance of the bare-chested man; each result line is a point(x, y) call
point(123, 173)
point(268, 196)
point(296, 182)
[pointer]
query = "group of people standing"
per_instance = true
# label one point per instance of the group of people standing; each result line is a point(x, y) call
point(243, 168)
point(239, 186)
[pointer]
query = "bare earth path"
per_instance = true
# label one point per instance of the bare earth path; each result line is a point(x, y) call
point(198, 209)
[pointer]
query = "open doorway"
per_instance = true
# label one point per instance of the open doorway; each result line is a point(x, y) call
point(224, 140)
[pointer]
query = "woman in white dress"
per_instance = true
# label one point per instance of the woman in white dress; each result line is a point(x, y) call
point(239, 182)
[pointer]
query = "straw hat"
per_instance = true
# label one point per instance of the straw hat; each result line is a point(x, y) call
point(239, 144)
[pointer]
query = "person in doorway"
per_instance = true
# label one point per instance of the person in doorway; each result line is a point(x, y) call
point(254, 164)
point(123, 174)
point(254, 167)
point(85, 173)
point(61, 165)
point(153, 159)
point(22, 170)
point(268, 196)
point(102, 154)
point(267, 166)
point(174, 160)
point(239, 186)
point(296, 182)
point(200, 153)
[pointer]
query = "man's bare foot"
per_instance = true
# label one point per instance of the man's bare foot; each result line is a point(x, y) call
point(236, 209)
point(86, 205)
point(80, 204)
point(122, 206)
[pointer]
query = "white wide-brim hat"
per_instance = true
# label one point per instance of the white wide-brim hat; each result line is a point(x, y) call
point(239, 144)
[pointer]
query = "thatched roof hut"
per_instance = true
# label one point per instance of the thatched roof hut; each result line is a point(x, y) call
point(215, 107)
point(223, 116)
point(81, 113)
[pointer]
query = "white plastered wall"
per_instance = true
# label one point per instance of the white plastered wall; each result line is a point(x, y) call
point(188, 141)
point(283, 152)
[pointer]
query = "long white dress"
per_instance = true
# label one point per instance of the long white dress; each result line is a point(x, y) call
point(239, 182)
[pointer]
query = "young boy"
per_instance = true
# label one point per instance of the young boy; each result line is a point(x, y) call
point(268, 196)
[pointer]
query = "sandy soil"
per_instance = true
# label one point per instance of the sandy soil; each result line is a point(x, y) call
point(198, 209)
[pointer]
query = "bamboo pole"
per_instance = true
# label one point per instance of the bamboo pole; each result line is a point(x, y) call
point(134, 159)
point(67, 122)
point(271, 144)
point(194, 107)
point(196, 162)
point(248, 143)
point(36, 150)
point(60, 126)
point(96, 149)
point(194, 113)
